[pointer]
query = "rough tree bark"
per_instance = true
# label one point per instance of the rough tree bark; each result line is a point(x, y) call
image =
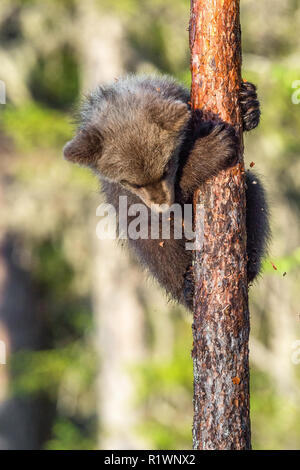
point(221, 316)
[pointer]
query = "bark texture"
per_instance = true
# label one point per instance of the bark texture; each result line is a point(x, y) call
point(221, 316)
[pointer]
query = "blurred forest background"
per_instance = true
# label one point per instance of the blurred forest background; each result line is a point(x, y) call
point(96, 356)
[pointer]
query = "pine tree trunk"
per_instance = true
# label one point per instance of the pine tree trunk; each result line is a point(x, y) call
point(221, 316)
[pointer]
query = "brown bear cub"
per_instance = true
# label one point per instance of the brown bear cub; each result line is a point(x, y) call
point(137, 135)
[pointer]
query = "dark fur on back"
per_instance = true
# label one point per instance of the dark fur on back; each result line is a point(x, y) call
point(137, 135)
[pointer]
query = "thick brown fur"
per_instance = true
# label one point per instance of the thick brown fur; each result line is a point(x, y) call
point(137, 135)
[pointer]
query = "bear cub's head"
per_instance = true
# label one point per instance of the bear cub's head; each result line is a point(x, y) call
point(130, 133)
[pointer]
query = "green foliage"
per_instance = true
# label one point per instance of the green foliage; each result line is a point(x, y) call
point(285, 264)
point(163, 378)
point(51, 269)
point(66, 436)
point(32, 126)
point(164, 388)
point(168, 436)
point(54, 80)
point(43, 371)
point(268, 409)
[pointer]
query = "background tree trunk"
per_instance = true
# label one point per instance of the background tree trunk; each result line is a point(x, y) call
point(221, 316)
point(118, 311)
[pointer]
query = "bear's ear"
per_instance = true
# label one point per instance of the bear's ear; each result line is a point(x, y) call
point(171, 115)
point(85, 148)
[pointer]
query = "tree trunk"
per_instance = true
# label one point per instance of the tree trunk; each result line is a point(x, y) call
point(221, 316)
